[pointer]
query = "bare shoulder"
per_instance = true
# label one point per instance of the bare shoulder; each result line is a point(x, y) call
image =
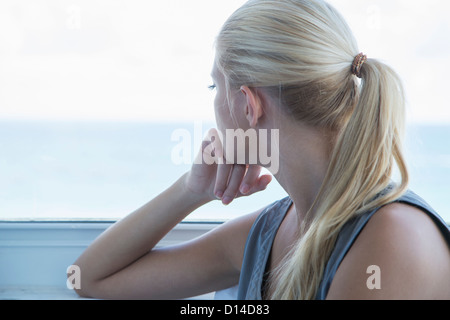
point(400, 254)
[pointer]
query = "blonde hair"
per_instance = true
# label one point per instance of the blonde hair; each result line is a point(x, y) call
point(302, 51)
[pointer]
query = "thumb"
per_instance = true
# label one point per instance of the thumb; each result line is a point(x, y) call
point(261, 184)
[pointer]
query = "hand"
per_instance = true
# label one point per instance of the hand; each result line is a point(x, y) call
point(212, 178)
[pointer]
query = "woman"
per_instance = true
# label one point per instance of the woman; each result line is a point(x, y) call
point(345, 231)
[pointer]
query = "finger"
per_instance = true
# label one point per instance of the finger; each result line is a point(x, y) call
point(250, 178)
point(222, 177)
point(262, 183)
point(233, 184)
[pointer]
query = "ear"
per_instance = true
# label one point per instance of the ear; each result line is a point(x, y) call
point(253, 106)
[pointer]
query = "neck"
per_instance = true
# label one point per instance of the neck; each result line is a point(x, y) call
point(304, 160)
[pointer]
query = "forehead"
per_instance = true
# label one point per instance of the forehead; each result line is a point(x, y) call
point(215, 72)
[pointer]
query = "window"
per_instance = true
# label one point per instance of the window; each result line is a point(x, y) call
point(91, 93)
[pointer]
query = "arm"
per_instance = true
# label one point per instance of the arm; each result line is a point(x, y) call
point(131, 239)
point(122, 262)
point(410, 251)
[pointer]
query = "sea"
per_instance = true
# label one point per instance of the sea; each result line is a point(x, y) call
point(97, 170)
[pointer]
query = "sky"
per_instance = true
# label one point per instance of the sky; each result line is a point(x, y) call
point(137, 60)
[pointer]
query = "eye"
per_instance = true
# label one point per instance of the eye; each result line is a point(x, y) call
point(212, 87)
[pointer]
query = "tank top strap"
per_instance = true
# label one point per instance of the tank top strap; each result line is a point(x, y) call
point(258, 247)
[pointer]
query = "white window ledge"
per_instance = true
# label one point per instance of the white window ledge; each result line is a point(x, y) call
point(56, 293)
point(34, 256)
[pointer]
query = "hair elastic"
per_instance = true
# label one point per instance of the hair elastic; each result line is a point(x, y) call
point(357, 64)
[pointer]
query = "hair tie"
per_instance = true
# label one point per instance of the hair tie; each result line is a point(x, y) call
point(357, 64)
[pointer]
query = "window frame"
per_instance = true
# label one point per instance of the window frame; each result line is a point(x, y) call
point(34, 255)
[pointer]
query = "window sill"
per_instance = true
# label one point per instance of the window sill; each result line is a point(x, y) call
point(34, 256)
point(38, 293)
point(56, 293)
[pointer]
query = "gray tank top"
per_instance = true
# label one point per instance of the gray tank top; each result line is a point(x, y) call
point(262, 235)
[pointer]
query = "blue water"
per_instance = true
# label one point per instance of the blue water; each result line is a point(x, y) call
point(105, 170)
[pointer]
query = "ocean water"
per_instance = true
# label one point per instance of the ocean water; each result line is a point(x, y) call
point(105, 170)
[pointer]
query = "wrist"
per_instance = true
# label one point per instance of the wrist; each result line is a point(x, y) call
point(188, 196)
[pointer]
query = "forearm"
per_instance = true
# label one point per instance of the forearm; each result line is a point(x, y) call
point(138, 233)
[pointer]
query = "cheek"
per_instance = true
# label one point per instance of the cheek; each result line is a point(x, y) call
point(222, 112)
point(235, 152)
